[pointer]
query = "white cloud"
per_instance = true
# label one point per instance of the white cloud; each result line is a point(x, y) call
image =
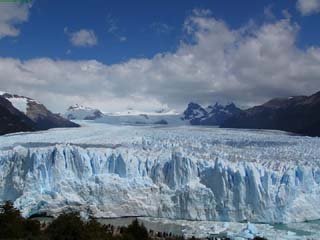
point(82, 38)
point(308, 7)
point(248, 65)
point(11, 15)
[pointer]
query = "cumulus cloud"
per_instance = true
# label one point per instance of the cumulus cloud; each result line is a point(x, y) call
point(11, 15)
point(308, 7)
point(247, 65)
point(82, 38)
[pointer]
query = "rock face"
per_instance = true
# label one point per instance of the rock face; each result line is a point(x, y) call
point(45, 119)
point(12, 120)
point(299, 115)
point(194, 113)
point(27, 114)
point(184, 173)
point(218, 114)
point(214, 115)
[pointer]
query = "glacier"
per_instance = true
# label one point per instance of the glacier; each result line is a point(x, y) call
point(174, 172)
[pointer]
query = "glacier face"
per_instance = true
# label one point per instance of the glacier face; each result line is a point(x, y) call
point(184, 172)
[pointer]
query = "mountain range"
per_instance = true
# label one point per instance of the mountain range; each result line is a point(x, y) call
point(131, 116)
point(214, 115)
point(300, 115)
point(195, 114)
point(297, 114)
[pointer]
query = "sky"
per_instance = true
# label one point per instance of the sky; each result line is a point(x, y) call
point(150, 54)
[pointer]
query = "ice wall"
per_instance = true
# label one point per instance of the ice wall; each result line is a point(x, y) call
point(156, 179)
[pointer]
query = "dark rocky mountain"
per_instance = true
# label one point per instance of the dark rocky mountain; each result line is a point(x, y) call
point(12, 120)
point(194, 113)
point(299, 115)
point(212, 115)
point(218, 114)
point(45, 119)
point(20, 113)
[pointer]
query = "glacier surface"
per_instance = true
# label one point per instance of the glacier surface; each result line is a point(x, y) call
point(191, 173)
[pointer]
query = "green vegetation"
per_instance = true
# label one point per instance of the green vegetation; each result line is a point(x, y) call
point(69, 226)
point(14, 226)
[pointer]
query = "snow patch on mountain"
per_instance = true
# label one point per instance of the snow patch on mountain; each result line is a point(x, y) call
point(79, 112)
point(19, 102)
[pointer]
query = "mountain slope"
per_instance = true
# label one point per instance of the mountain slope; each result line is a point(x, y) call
point(194, 113)
point(299, 115)
point(46, 119)
point(12, 120)
point(19, 113)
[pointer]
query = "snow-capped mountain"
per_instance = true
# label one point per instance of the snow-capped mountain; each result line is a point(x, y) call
point(178, 173)
point(194, 113)
point(142, 118)
point(12, 120)
point(34, 115)
point(130, 116)
point(212, 115)
point(78, 112)
point(21, 103)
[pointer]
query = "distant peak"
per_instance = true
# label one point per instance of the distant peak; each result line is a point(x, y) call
point(9, 95)
point(78, 107)
point(194, 105)
point(230, 104)
point(80, 112)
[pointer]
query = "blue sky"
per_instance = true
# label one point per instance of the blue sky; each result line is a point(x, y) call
point(149, 27)
point(159, 54)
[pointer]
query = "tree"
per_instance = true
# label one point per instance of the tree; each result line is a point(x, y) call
point(95, 231)
point(11, 222)
point(136, 231)
point(14, 226)
point(66, 227)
